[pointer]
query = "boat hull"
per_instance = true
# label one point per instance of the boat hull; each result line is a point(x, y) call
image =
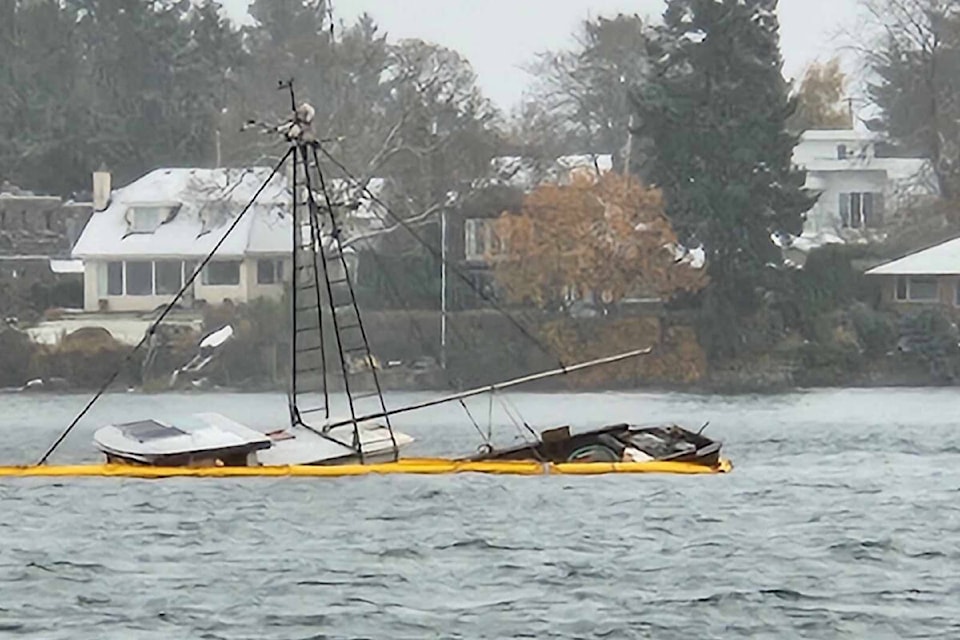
point(212, 440)
point(614, 443)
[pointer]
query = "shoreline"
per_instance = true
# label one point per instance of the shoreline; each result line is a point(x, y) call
point(692, 389)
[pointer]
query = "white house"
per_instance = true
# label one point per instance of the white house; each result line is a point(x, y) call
point(145, 240)
point(858, 190)
point(139, 250)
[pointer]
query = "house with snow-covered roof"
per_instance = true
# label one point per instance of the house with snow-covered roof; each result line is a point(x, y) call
point(146, 242)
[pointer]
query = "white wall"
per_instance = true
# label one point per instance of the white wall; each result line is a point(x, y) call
point(822, 145)
point(825, 214)
point(255, 290)
point(900, 180)
point(247, 289)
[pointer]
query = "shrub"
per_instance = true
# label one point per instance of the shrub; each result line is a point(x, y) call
point(17, 352)
point(876, 330)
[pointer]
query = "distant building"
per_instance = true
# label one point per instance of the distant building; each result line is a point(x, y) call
point(149, 237)
point(858, 191)
point(37, 233)
point(925, 277)
point(145, 240)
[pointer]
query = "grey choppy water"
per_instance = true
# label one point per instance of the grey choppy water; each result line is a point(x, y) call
point(842, 519)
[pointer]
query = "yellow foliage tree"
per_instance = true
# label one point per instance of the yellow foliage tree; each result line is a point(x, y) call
point(609, 237)
point(820, 99)
point(605, 236)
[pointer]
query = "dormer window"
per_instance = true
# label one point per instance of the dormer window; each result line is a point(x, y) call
point(147, 218)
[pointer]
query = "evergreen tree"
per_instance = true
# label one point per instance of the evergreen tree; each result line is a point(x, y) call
point(156, 77)
point(917, 64)
point(40, 67)
point(716, 110)
point(133, 85)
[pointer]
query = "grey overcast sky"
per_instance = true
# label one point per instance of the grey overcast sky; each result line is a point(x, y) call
point(498, 37)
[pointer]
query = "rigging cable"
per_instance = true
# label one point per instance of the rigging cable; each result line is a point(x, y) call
point(487, 437)
point(513, 354)
point(403, 223)
point(151, 330)
point(418, 332)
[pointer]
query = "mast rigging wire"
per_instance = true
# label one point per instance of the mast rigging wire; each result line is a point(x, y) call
point(403, 223)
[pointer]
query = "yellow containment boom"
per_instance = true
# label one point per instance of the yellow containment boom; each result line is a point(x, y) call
point(422, 466)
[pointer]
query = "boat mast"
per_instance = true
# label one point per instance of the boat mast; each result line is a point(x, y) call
point(324, 244)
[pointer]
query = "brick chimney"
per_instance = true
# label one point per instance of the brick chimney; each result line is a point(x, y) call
point(101, 189)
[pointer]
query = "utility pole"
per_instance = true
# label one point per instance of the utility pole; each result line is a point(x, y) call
point(626, 165)
point(443, 288)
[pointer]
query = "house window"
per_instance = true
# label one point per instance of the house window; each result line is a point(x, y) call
point(148, 218)
point(901, 292)
point(222, 273)
point(169, 276)
point(269, 271)
point(480, 238)
point(917, 289)
point(139, 277)
point(114, 278)
point(861, 210)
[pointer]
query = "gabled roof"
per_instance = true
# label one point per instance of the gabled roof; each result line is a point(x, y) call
point(941, 260)
point(210, 200)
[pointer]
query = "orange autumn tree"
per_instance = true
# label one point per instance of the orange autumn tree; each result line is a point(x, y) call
point(608, 237)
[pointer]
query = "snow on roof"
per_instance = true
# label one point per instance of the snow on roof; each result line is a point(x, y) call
point(526, 173)
point(941, 259)
point(695, 258)
point(209, 201)
point(837, 135)
point(66, 266)
point(359, 203)
point(895, 168)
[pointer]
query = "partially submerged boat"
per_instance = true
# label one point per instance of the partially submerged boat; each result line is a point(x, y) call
point(331, 355)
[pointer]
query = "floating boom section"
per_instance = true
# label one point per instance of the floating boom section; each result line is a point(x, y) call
point(414, 466)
